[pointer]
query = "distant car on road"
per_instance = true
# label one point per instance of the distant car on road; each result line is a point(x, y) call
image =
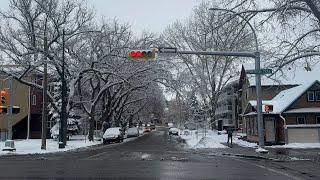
point(153, 127)
point(174, 131)
point(147, 129)
point(133, 132)
point(114, 134)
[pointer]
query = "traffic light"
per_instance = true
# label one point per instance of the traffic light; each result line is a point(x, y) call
point(4, 97)
point(142, 54)
point(268, 108)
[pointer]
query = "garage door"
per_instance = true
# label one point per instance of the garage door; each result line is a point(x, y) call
point(303, 135)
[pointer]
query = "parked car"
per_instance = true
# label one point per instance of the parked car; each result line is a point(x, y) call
point(174, 131)
point(133, 132)
point(114, 134)
point(147, 129)
point(153, 127)
point(185, 132)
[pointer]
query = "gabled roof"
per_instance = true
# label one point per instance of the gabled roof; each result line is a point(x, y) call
point(294, 75)
point(286, 97)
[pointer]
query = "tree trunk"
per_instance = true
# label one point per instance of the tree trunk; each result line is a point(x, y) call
point(91, 128)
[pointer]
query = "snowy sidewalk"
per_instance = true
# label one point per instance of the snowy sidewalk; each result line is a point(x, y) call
point(33, 146)
point(214, 144)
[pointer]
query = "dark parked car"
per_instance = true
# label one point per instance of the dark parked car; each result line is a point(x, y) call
point(174, 131)
point(114, 134)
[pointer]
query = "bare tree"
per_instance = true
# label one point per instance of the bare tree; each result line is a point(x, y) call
point(205, 30)
point(288, 30)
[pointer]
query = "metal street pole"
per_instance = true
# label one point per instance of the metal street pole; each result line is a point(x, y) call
point(10, 104)
point(259, 102)
point(45, 98)
point(29, 113)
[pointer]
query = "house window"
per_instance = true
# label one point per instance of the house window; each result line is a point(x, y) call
point(34, 100)
point(318, 119)
point(301, 120)
point(310, 95)
point(317, 95)
point(50, 124)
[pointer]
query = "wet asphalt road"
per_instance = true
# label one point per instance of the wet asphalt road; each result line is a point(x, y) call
point(152, 156)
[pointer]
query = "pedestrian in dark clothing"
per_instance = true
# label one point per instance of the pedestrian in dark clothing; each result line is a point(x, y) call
point(229, 132)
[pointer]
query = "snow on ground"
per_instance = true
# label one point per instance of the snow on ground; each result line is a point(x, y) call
point(298, 146)
point(212, 139)
point(33, 146)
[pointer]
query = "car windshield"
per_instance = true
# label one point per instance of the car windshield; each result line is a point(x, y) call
point(113, 131)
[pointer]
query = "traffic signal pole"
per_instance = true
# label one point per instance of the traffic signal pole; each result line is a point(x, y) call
point(10, 109)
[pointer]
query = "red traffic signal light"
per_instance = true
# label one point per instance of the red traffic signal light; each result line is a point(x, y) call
point(3, 98)
point(142, 54)
point(268, 108)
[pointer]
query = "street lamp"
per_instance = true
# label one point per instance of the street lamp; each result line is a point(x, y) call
point(258, 76)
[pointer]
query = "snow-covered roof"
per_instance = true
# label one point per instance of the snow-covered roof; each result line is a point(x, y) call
point(294, 75)
point(286, 97)
point(304, 110)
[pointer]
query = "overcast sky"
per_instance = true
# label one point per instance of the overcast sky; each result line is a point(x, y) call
point(151, 15)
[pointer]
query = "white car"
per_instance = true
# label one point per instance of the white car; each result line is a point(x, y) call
point(114, 134)
point(174, 131)
point(133, 132)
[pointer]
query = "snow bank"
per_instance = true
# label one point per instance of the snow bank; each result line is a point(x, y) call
point(211, 139)
point(298, 146)
point(208, 142)
point(33, 146)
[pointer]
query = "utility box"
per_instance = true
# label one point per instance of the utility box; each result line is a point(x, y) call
point(9, 146)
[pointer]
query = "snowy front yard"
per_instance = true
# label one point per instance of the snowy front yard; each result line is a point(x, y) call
point(212, 140)
point(33, 146)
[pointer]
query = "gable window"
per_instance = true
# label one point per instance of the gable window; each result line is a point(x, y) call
point(317, 95)
point(318, 119)
point(301, 120)
point(34, 100)
point(311, 96)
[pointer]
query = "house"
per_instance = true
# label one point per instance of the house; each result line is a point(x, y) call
point(293, 116)
point(29, 99)
point(281, 118)
point(226, 114)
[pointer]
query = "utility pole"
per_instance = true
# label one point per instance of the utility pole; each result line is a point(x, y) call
point(10, 109)
point(63, 117)
point(29, 113)
point(259, 101)
point(45, 98)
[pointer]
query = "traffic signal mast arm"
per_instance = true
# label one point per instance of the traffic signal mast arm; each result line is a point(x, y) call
point(172, 50)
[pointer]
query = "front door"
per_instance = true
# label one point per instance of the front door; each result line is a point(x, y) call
point(270, 129)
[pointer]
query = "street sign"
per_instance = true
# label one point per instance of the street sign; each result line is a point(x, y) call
point(261, 71)
point(167, 50)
